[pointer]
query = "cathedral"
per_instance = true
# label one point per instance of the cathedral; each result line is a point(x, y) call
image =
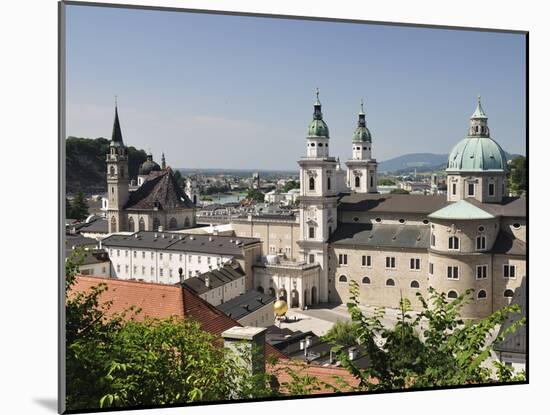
point(158, 203)
point(395, 245)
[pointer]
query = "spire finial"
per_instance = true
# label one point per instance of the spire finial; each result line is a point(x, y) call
point(362, 105)
point(317, 93)
point(478, 99)
point(116, 101)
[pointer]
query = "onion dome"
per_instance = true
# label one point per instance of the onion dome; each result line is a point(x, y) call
point(362, 133)
point(148, 166)
point(318, 127)
point(478, 151)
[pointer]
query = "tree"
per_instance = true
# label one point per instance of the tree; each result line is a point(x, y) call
point(434, 348)
point(180, 180)
point(399, 191)
point(517, 180)
point(291, 184)
point(343, 333)
point(113, 360)
point(255, 194)
point(386, 182)
point(79, 207)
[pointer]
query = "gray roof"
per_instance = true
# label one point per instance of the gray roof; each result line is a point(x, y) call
point(507, 243)
point(95, 226)
point(510, 206)
point(382, 235)
point(392, 203)
point(245, 304)
point(217, 278)
point(73, 241)
point(181, 242)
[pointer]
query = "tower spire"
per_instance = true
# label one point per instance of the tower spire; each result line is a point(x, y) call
point(478, 121)
point(116, 137)
point(317, 114)
point(163, 162)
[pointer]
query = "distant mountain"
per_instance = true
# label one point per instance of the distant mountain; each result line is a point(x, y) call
point(422, 162)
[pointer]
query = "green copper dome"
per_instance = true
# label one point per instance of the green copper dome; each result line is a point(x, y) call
point(362, 133)
point(317, 128)
point(478, 151)
point(477, 154)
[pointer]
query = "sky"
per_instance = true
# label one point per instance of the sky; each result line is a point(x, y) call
point(216, 91)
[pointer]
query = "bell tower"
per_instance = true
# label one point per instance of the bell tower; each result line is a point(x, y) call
point(317, 200)
point(362, 168)
point(117, 179)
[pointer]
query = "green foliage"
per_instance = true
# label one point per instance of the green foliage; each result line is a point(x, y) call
point(255, 194)
point(86, 168)
point(432, 348)
point(78, 208)
point(113, 360)
point(386, 182)
point(342, 333)
point(180, 180)
point(517, 179)
point(291, 184)
point(400, 191)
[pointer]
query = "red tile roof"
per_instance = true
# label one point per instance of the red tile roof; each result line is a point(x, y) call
point(161, 301)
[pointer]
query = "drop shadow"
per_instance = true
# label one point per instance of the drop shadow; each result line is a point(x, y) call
point(48, 403)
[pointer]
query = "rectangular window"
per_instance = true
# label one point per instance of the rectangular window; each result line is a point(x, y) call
point(481, 272)
point(170, 257)
point(471, 189)
point(143, 254)
point(390, 262)
point(415, 263)
point(480, 243)
point(431, 268)
point(433, 239)
point(190, 258)
point(311, 258)
point(366, 261)
point(181, 257)
point(160, 256)
point(454, 243)
point(161, 272)
point(117, 267)
point(118, 252)
point(170, 272)
point(208, 260)
point(126, 254)
point(199, 259)
point(311, 232)
point(152, 271)
point(143, 270)
point(452, 273)
point(491, 189)
point(126, 269)
point(454, 188)
point(509, 271)
point(135, 269)
point(135, 254)
point(152, 255)
point(343, 259)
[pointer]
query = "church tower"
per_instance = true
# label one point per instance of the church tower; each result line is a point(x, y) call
point(362, 168)
point(317, 201)
point(477, 165)
point(117, 179)
point(192, 190)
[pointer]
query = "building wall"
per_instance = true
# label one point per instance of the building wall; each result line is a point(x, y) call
point(466, 231)
point(500, 283)
point(102, 269)
point(481, 182)
point(161, 265)
point(385, 218)
point(263, 317)
point(277, 237)
point(377, 293)
point(226, 292)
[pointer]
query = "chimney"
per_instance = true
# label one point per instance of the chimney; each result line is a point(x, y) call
point(207, 281)
point(247, 345)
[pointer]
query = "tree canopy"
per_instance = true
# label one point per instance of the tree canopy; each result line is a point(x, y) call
point(517, 180)
point(78, 208)
point(291, 184)
point(255, 194)
point(400, 191)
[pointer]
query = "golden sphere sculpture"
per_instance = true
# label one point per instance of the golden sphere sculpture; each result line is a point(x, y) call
point(280, 307)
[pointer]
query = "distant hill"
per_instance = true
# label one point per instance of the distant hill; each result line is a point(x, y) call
point(86, 168)
point(423, 162)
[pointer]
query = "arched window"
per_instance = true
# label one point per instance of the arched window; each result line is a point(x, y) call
point(156, 224)
point(482, 294)
point(131, 225)
point(173, 224)
point(452, 294)
point(480, 243)
point(508, 293)
point(371, 181)
point(260, 289)
point(141, 224)
point(328, 183)
point(357, 181)
point(186, 223)
point(454, 243)
point(112, 171)
point(311, 183)
point(390, 282)
point(343, 278)
point(113, 224)
point(415, 284)
point(365, 280)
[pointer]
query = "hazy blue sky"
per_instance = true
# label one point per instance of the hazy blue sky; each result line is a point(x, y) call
point(238, 92)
